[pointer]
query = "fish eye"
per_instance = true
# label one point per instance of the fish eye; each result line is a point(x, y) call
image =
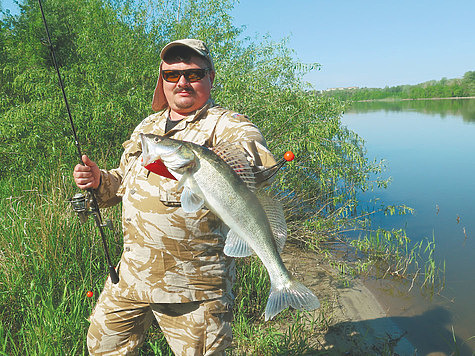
point(156, 139)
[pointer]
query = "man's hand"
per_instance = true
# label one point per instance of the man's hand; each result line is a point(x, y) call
point(87, 176)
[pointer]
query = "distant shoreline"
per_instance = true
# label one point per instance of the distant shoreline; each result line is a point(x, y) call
point(409, 99)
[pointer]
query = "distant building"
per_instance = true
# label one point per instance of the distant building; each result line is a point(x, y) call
point(347, 88)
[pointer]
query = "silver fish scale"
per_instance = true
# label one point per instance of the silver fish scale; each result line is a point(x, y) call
point(230, 199)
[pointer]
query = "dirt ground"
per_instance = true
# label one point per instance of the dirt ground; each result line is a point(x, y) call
point(357, 324)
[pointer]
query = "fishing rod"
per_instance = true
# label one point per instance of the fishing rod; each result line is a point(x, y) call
point(272, 171)
point(83, 205)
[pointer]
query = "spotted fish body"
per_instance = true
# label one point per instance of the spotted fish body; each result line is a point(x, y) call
point(256, 224)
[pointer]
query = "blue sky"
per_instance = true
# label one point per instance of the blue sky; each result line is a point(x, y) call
point(366, 43)
point(370, 43)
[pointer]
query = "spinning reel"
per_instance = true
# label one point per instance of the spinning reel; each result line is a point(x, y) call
point(83, 206)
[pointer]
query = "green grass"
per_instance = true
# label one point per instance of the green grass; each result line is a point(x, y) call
point(391, 253)
point(48, 261)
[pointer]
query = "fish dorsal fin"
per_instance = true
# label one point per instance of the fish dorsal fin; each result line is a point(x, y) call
point(236, 159)
point(275, 215)
point(235, 246)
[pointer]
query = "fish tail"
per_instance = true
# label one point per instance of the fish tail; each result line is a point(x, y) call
point(295, 295)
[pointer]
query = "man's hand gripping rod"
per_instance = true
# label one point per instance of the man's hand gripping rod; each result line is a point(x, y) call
point(79, 201)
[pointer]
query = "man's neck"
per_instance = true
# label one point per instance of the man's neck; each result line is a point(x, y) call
point(175, 116)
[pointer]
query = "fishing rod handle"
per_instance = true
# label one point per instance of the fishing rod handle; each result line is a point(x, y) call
point(97, 218)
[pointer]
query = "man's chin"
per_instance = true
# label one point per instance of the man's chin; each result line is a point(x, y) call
point(185, 104)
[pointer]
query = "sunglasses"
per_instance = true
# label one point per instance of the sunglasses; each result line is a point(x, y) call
point(191, 75)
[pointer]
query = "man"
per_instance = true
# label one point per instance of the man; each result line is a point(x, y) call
point(173, 267)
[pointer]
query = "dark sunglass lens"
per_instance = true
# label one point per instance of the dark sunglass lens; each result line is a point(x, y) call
point(193, 75)
point(171, 75)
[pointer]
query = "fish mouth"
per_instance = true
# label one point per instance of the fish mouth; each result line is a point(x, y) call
point(145, 152)
point(161, 149)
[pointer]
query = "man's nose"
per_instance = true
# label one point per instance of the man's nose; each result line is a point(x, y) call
point(182, 81)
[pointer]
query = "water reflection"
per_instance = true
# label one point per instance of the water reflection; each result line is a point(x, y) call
point(462, 107)
point(431, 329)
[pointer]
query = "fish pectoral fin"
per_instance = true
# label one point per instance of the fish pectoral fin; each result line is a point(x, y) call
point(190, 202)
point(182, 179)
point(236, 246)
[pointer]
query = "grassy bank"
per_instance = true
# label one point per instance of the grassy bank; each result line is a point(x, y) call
point(49, 261)
point(410, 99)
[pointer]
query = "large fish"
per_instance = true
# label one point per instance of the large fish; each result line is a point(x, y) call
point(221, 179)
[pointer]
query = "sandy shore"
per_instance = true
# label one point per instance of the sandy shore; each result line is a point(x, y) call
point(358, 324)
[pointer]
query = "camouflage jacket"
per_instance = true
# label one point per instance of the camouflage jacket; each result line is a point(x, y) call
point(171, 256)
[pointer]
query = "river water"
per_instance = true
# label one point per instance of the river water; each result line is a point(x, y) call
point(429, 148)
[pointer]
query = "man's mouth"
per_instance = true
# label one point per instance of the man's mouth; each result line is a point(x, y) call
point(183, 91)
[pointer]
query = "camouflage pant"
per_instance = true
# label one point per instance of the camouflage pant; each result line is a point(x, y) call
point(118, 326)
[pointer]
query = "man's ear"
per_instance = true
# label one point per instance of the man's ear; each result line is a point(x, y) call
point(211, 77)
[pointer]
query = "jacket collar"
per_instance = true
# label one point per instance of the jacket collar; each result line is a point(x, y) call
point(197, 115)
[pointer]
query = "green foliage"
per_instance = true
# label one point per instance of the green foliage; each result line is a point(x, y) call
point(468, 82)
point(105, 85)
point(109, 91)
point(108, 54)
point(445, 88)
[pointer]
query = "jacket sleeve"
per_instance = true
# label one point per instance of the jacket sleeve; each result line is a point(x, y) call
point(106, 193)
point(109, 192)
